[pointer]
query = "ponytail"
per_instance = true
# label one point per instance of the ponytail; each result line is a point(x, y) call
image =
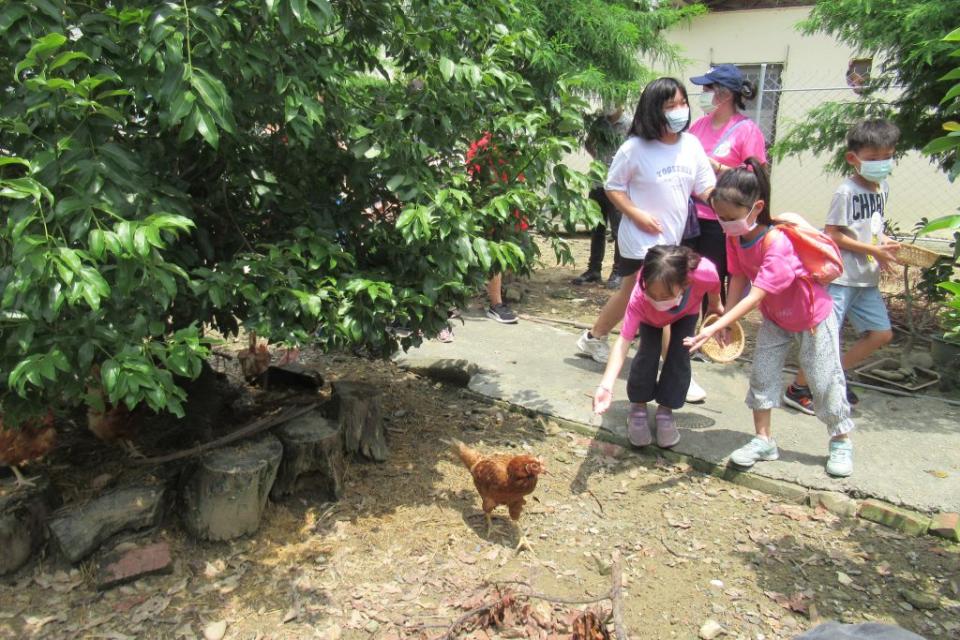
point(743, 186)
point(748, 91)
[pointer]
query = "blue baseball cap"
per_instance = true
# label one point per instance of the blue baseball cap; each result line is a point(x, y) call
point(725, 75)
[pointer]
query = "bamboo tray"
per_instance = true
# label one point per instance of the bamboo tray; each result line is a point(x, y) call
point(728, 352)
point(911, 254)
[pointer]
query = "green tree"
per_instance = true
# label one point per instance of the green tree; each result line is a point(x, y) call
point(905, 39)
point(292, 166)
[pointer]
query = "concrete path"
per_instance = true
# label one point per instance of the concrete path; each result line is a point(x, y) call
point(906, 451)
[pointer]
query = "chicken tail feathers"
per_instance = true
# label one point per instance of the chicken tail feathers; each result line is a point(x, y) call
point(468, 456)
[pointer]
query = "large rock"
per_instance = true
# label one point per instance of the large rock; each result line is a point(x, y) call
point(23, 513)
point(358, 410)
point(224, 496)
point(312, 453)
point(79, 530)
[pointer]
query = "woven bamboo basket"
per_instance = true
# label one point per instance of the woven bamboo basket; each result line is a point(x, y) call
point(728, 352)
point(916, 256)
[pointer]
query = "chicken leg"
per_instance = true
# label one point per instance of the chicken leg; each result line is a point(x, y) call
point(19, 479)
point(130, 448)
point(523, 542)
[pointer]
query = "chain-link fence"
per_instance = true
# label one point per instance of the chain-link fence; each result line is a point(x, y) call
point(800, 183)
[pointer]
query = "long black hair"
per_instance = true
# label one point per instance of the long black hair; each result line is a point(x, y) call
point(669, 264)
point(649, 122)
point(743, 186)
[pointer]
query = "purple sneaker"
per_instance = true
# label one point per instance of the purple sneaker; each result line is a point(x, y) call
point(667, 434)
point(637, 430)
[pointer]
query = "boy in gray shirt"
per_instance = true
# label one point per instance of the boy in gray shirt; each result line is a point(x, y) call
point(855, 222)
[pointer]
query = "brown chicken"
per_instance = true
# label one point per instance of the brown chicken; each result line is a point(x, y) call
point(253, 360)
point(112, 424)
point(502, 479)
point(30, 441)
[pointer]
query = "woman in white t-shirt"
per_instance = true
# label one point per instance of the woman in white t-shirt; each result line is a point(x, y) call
point(650, 181)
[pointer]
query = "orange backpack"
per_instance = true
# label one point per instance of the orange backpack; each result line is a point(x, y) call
point(817, 251)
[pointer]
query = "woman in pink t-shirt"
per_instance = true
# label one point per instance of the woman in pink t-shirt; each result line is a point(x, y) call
point(670, 286)
point(729, 138)
point(795, 308)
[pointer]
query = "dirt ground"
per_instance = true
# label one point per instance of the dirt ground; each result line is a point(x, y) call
point(405, 553)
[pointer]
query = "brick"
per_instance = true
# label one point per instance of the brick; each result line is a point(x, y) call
point(126, 565)
point(839, 504)
point(946, 525)
point(903, 520)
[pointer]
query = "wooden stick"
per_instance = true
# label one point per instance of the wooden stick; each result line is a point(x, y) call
point(616, 595)
point(255, 427)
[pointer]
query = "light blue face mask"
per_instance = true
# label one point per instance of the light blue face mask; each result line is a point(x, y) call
point(876, 170)
point(677, 118)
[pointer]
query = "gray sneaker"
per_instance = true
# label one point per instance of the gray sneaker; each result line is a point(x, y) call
point(638, 431)
point(841, 458)
point(667, 434)
point(593, 347)
point(755, 450)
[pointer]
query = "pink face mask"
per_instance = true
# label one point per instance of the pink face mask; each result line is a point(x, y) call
point(663, 305)
point(738, 227)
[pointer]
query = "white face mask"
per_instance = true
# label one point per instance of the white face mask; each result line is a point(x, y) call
point(738, 227)
point(664, 305)
point(677, 118)
point(706, 102)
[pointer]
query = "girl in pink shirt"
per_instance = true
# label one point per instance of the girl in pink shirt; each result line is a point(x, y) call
point(670, 287)
point(794, 308)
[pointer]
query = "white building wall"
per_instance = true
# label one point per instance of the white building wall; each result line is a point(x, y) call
point(917, 188)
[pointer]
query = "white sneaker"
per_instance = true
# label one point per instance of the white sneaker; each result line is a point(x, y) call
point(595, 348)
point(695, 392)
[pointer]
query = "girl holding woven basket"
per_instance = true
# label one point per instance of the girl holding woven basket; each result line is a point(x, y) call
point(669, 291)
point(795, 308)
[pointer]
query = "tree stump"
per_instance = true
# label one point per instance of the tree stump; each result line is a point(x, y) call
point(23, 513)
point(312, 453)
point(357, 408)
point(225, 494)
point(79, 530)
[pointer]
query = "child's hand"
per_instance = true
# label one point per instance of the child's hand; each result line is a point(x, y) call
point(649, 224)
point(697, 341)
point(716, 309)
point(723, 337)
point(602, 398)
point(886, 255)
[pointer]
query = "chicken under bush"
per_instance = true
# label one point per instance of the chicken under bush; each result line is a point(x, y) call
point(25, 443)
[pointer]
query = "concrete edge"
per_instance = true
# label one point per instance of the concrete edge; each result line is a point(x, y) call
point(904, 520)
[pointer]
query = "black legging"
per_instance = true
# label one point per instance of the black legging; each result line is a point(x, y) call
point(598, 238)
point(670, 390)
point(712, 244)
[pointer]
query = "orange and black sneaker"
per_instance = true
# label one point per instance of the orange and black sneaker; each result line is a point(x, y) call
point(800, 398)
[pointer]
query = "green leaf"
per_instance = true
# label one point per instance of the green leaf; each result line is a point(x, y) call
point(207, 127)
point(67, 57)
point(447, 67)
point(211, 92)
point(109, 375)
point(939, 224)
point(96, 243)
